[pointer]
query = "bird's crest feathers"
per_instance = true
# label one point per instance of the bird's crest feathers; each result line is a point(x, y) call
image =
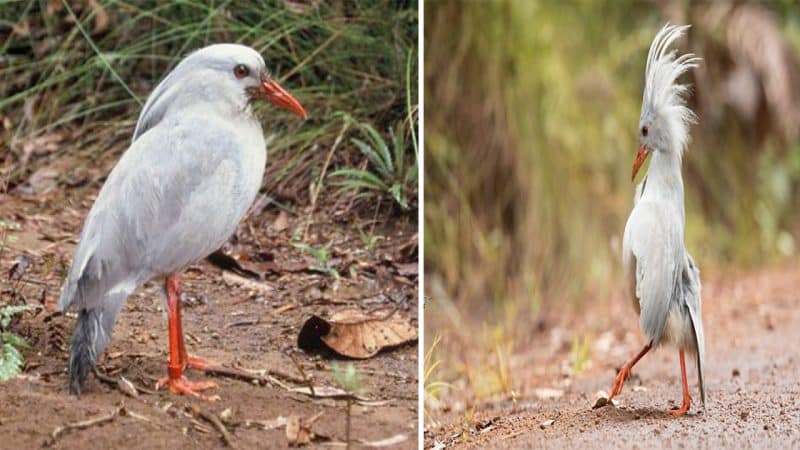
point(663, 96)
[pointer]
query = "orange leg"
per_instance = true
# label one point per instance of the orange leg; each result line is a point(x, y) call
point(687, 399)
point(178, 358)
point(625, 372)
point(173, 284)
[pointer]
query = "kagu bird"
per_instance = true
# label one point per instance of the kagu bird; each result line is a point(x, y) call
point(193, 169)
point(663, 279)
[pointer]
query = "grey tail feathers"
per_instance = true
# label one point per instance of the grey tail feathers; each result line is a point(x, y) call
point(88, 341)
point(700, 378)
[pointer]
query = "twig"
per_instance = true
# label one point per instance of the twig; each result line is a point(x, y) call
point(242, 323)
point(303, 374)
point(114, 382)
point(213, 420)
point(315, 194)
point(251, 376)
point(86, 423)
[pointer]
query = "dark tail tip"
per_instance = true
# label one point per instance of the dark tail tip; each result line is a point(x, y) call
point(82, 356)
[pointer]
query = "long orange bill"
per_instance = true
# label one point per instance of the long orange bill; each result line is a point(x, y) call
point(641, 156)
point(280, 98)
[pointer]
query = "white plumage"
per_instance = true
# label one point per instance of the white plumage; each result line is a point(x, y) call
point(193, 168)
point(664, 281)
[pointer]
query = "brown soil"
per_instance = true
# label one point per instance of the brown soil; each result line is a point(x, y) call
point(234, 325)
point(752, 378)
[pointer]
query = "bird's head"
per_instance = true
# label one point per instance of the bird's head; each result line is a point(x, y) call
point(665, 118)
point(226, 74)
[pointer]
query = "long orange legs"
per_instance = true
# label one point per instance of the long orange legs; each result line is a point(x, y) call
point(625, 372)
point(178, 358)
point(687, 399)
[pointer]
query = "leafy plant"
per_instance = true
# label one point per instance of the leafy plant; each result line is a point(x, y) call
point(579, 354)
point(321, 255)
point(348, 379)
point(392, 173)
point(370, 240)
point(432, 386)
point(11, 358)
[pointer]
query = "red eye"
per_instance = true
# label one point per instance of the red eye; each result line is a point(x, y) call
point(241, 71)
point(644, 131)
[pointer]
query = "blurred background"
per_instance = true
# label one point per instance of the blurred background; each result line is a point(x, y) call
point(532, 111)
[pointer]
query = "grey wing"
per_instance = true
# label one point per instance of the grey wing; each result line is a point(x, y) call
point(167, 202)
point(691, 283)
point(653, 251)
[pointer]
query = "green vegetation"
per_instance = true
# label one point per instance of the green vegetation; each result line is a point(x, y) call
point(349, 379)
point(321, 255)
point(77, 73)
point(11, 358)
point(531, 117)
point(579, 353)
point(393, 174)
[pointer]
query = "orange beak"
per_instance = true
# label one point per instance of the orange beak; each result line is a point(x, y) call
point(278, 96)
point(641, 156)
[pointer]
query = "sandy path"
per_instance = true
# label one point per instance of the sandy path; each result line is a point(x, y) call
point(752, 325)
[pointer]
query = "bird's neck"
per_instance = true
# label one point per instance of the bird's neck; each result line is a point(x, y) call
point(664, 182)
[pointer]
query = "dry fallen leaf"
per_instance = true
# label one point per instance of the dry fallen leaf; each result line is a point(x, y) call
point(298, 431)
point(294, 435)
point(127, 387)
point(355, 334)
point(281, 222)
point(101, 20)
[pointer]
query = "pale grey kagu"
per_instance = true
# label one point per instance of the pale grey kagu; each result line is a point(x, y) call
point(663, 279)
point(193, 169)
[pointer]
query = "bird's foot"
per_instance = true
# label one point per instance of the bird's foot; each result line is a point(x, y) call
point(616, 389)
point(200, 364)
point(182, 386)
point(687, 403)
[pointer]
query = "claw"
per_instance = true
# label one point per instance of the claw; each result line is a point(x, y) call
point(183, 386)
point(200, 364)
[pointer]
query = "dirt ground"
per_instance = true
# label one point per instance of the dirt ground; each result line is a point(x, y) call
point(752, 329)
point(243, 324)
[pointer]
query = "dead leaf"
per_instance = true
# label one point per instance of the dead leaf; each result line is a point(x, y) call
point(355, 334)
point(127, 387)
point(300, 6)
point(101, 20)
point(408, 270)
point(281, 222)
point(43, 180)
point(54, 6)
point(298, 431)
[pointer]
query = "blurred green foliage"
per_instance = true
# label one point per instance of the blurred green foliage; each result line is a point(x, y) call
point(532, 111)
